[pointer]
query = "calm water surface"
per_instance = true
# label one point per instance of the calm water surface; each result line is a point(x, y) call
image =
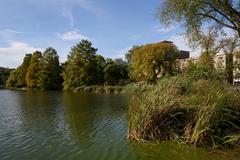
point(57, 125)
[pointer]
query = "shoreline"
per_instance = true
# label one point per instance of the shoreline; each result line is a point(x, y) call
point(101, 89)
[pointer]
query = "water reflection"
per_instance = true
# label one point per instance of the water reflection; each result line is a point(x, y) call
point(56, 125)
point(98, 122)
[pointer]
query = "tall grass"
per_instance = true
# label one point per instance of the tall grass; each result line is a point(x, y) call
point(131, 88)
point(181, 109)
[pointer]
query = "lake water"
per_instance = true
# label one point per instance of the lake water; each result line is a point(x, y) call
point(56, 125)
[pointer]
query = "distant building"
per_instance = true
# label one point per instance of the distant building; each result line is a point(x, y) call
point(220, 63)
point(183, 59)
point(170, 42)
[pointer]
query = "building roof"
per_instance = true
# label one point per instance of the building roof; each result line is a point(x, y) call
point(167, 42)
point(184, 55)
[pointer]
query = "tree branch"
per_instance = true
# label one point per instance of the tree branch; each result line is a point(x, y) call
point(221, 13)
point(218, 21)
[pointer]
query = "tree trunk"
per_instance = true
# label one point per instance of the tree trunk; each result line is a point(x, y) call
point(229, 67)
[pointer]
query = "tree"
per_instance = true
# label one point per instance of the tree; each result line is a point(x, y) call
point(210, 45)
point(229, 46)
point(153, 60)
point(4, 74)
point(34, 69)
point(22, 71)
point(236, 64)
point(100, 64)
point(115, 72)
point(193, 14)
point(12, 79)
point(206, 65)
point(80, 67)
point(128, 55)
point(50, 78)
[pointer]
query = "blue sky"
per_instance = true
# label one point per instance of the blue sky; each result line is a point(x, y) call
point(113, 26)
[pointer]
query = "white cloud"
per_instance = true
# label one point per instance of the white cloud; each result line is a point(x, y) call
point(12, 55)
point(71, 36)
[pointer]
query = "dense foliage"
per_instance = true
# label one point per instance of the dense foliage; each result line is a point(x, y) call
point(23, 70)
point(37, 72)
point(83, 68)
point(4, 74)
point(50, 77)
point(152, 61)
point(115, 72)
point(184, 109)
point(34, 69)
point(193, 14)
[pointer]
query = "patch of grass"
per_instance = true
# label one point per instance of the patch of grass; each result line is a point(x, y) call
point(203, 113)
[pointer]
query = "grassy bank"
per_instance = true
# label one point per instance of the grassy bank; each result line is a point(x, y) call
point(203, 113)
point(129, 88)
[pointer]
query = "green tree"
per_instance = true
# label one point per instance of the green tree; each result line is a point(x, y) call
point(128, 55)
point(116, 72)
point(80, 67)
point(50, 78)
point(4, 74)
point(210, 45)
point(34, 69)
point(236, 64)
point(153, 60)
point(12, 79)
point(193, 14)
point(100, 64)
point(206, 65)
point(230, 46)
point(22, 71)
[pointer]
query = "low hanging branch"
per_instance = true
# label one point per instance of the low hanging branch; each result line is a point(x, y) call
point(193, 14)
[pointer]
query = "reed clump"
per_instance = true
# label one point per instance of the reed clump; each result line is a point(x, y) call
point(202, 112)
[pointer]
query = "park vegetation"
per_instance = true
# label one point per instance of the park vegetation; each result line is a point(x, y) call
point(152, 61)
point(4, 74)
point(83, 69)
point(196, 105)
point(37, 71)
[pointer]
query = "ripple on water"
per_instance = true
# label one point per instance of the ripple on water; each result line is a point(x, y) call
point(55, 125)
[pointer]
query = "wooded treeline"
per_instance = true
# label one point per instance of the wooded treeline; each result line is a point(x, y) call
point(83, 67)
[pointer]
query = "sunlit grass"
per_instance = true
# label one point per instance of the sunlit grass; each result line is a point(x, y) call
point(203, 113)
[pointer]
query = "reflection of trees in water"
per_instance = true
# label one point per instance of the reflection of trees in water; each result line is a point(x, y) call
point(92, 116)
point(39, 110)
